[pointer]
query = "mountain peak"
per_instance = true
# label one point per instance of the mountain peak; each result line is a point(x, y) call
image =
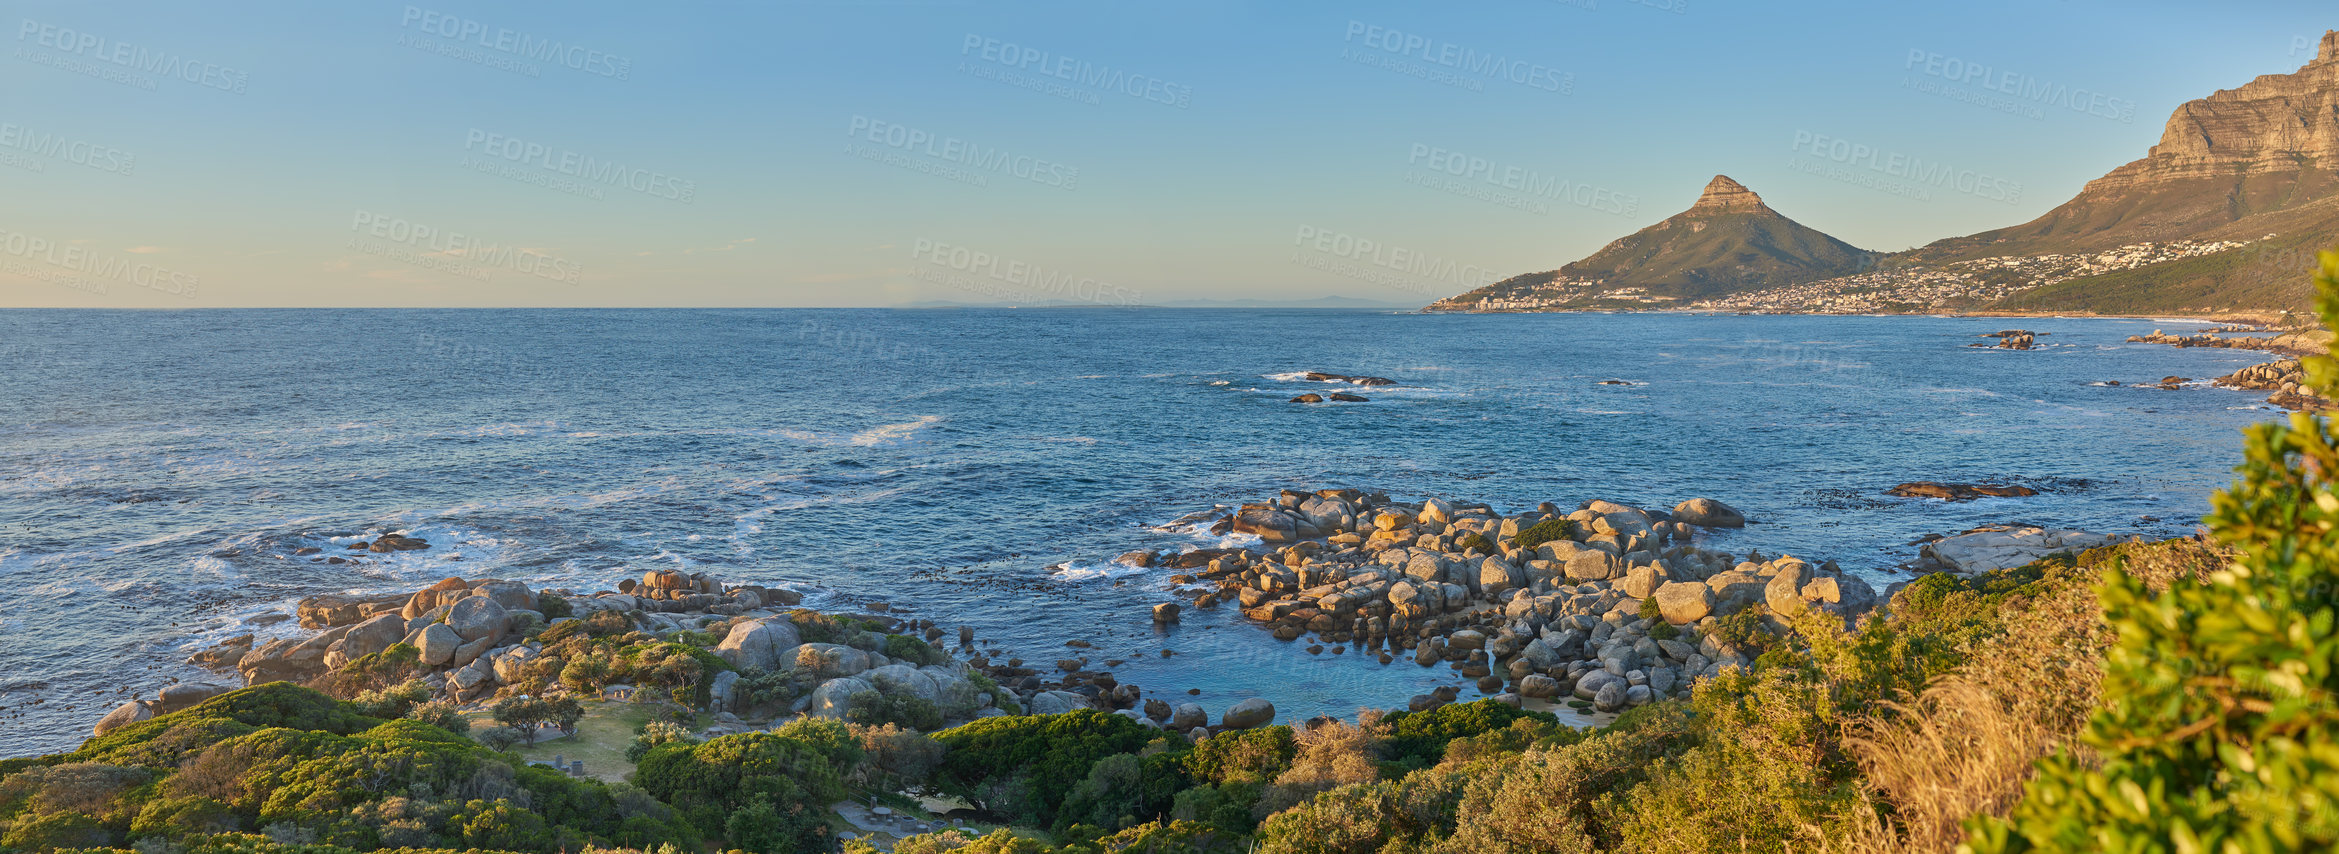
point(2330, 49)
point(1723, 195)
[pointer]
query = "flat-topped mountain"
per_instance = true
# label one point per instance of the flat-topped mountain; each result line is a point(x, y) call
point(1727, 241)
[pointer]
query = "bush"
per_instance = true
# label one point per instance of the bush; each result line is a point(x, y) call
point(656, 733)
point(1418, 739)
point(1477, 541)
point(711, 782)
point(553, 607)
point(875, 708)
point(1543, 532)
point(1246, 756)
point(2219, 699)
point(1026, 764)
point(500, 738)
point(913, 650)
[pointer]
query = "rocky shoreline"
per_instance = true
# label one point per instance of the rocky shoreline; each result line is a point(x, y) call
point(2286, 377)
point(1600, 608)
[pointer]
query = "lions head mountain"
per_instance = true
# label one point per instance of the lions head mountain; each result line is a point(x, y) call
point(1728, 241)
point(2224, 214)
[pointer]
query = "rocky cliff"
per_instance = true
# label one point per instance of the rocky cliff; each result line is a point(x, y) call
point(2242, 163)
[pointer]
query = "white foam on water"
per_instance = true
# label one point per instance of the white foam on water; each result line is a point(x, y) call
point(880, 436)
point(1079, 571)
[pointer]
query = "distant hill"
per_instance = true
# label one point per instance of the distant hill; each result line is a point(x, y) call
point(1727, 241)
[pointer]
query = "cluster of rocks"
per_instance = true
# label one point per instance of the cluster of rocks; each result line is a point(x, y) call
point(473, 638)
point(1321, 377)
point(1339, 396)
point(1958, 491)
point(2286, 379)
point(1452, 584)
point(2288, 344)
point(2004, 547)
point(2012, 339)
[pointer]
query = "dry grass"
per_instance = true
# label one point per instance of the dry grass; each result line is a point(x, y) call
point(1966, 745)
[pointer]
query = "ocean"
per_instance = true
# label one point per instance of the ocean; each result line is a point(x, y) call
point(158, 470)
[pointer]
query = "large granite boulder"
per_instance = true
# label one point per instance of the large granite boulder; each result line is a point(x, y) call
point(438, 643)
point(1708, 513)
point(1056, 702)
point(513, 595)
point(829, 661)
point(477, 618)
point(1985, 551)
point(766, 644)
point(122, 716)
point(834, 697)
point(374, 634)
point(1254, 712)
point(1684, 602)
point(327, 610)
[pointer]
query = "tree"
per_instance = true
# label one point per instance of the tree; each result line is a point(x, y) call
point(2218, 729)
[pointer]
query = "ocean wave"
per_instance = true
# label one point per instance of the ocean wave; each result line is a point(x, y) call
point(880, 436)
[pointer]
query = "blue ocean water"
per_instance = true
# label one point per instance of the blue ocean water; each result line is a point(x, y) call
point(982, 467)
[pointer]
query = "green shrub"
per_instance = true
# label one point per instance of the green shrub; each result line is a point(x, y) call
point(2220, 701)
point(553, 607)
point(1026, 763)
point(1246, 756)
point(1418, 739)
point(1475, 540)
point(708, 783)
point(913, 650)
point(1544, 532)
point(876, 708)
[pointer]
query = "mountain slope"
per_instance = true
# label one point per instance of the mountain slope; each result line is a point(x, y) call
point(2255, 163)
point(1727, 241)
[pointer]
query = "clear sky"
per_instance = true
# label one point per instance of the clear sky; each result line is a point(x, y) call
point(844, 153)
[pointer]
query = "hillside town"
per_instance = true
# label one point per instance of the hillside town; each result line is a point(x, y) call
point(1960, 284)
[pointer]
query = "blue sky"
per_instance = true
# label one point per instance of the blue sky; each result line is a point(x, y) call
point(866, 153)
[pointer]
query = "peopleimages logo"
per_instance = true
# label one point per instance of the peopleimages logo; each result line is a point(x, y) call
point(453, 251)
point(1914, 170)
point(91, 46)
point(1415, 46)
point(516, 43)
point(104, 158)
point(580, 166)
point(2020, 86)
point(953, 150)
point(1528, 184)
point(1033, 60)
point(100, 267)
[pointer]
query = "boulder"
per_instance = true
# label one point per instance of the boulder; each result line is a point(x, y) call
point(1708, 513)
point(373, 635)
point(1958, 491)
point(1784, 593)
point(1157, 711)
point(1539, 687)
point(1611, 696)
point(1985, 551)
point(185, 695)
point(1591, 565)
point(766, 644)
point(835, 697)
point(478, 618)
point(1496, 575)
point(327, 610)
point(511, 667)
point(122, 716)
point(1267, 523)
point(1640, 581)
point(1254, 712)
point(513, 595)
point(470, 652)
point(1188, 717)
point(829, 661)
point(1588, 686)
point(1735, 590)
point(1056, 702)
point(438, 643)
point(1166, 612)
point(1685, 601)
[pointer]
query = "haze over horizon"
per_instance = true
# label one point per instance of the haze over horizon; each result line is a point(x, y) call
point(871, 154)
